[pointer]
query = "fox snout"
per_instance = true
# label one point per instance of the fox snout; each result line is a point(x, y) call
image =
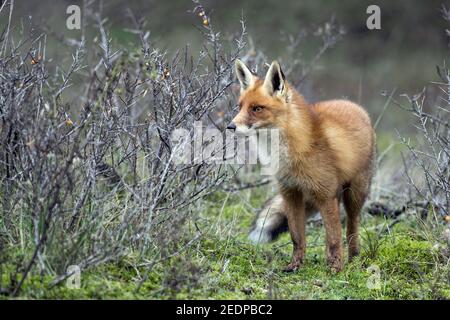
point(240, 128)
point(231, 126)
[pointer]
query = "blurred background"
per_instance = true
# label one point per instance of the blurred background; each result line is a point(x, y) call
point(364, 65)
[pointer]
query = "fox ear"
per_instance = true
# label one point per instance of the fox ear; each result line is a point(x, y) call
point(274, 83)
point(244, 75)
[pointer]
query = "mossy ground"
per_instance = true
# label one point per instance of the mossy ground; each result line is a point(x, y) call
point(224, 265)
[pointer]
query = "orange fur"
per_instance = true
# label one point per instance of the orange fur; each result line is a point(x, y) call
point(328, 154)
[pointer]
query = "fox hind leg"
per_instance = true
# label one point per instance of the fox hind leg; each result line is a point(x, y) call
point(333, 233)
point(354, 196)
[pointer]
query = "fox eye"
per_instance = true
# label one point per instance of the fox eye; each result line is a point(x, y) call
point(257, 108)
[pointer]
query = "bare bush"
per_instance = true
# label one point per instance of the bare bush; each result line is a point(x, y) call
point(89, 179)
point(427, 163)
point(96, 184)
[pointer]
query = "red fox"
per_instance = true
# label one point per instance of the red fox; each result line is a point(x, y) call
point(327, 152)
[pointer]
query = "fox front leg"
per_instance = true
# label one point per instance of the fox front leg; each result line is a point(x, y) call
point(295, 212)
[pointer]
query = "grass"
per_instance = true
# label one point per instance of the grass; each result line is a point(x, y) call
point(223, 265)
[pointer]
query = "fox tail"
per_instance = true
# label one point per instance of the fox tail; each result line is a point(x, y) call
point(270, 221)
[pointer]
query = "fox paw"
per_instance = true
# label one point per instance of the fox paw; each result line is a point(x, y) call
point(292, 267)
point(335, 265)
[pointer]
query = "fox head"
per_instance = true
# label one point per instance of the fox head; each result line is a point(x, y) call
point(262, 103)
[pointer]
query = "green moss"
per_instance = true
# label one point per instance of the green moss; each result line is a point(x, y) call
point(405, 256)
point(223, 265)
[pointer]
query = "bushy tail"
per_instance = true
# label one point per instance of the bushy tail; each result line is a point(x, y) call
point(271, 220)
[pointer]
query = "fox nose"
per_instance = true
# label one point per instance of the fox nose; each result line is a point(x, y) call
point(231, 126)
